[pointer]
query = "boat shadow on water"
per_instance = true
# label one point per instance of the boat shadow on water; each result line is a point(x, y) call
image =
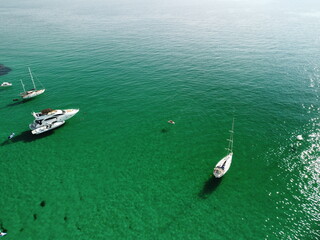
point(26, 136)
point(209, 187)
point(16, 102)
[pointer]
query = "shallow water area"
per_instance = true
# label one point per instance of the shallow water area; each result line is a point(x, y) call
point(118, 169)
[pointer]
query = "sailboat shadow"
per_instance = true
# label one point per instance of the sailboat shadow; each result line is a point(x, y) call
point(26, 136)
point(209, 186)
point(18, 101)
point(15, 103)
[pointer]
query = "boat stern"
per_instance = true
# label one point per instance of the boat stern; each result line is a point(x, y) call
point(33, 126)
point(218, 172)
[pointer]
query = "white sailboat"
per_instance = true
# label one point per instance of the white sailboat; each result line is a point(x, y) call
point(33, 92)
point(224, 164)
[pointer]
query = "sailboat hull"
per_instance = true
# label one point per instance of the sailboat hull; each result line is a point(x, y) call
point(32, 93)
point(223, 166)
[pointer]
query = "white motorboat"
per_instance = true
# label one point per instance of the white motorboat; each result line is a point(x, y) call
point(33, 92)
point(48, 116)
point(2, 234)
point(62, 114)
point(224, 164)
point(299, 137)
point(6, 84)
point(47, 127)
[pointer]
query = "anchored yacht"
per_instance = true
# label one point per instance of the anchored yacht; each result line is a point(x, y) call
point(58, 113)
point(33, 92)
point(49, 116)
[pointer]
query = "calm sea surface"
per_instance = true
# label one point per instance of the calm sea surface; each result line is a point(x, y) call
point(118, 170)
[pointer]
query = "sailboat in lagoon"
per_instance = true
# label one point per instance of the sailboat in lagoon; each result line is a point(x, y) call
point(224, 164)
point(33, 92)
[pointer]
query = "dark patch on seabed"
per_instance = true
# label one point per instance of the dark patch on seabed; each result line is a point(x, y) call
point(209, 186)
point(81, 197)
point(2, 228)
point(164, 130)
point(4, 70)
point(43, 203)
point(78, 227)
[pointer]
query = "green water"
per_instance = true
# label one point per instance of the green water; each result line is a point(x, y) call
point(118, 170)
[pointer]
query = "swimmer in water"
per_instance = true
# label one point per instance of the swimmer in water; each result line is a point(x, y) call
point(11, 135)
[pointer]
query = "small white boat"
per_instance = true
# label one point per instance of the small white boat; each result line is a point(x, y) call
point(299, 137)
point(224, 164)
point(48, 127)
point(33, 92)
point(6, 84)
point(2, 234)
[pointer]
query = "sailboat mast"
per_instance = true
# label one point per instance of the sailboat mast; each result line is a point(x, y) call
point(231, 136)
point(24, 90)
point(34, 86)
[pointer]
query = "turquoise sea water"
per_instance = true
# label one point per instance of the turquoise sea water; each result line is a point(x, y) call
point(118, 170)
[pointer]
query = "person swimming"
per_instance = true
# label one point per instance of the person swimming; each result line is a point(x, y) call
point(11, 135)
